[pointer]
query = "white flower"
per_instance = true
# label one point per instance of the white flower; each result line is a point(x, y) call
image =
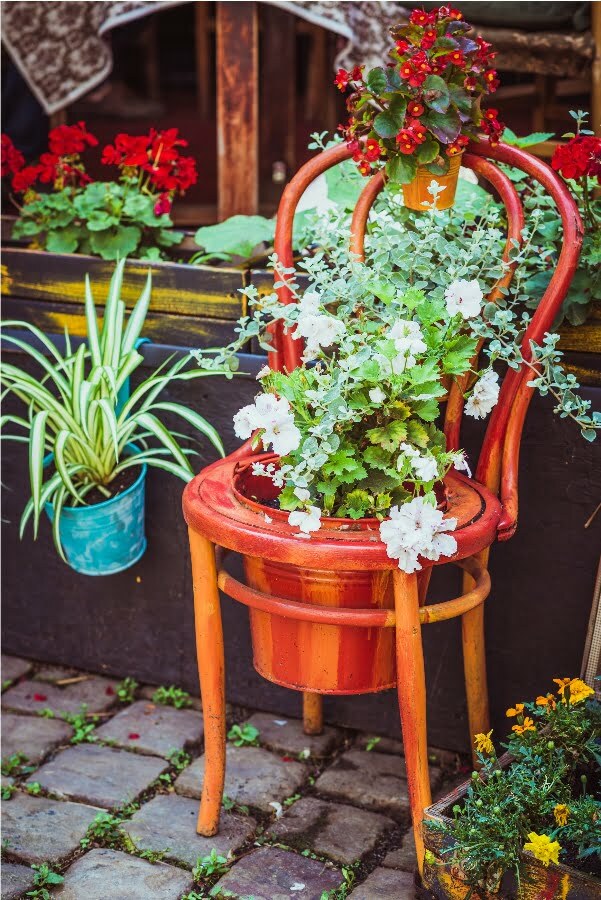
point(425, 467)
point(407, 337)
point(283, 435)
point(268, 406)
point(307, 521)
point(417, 529)
point(461, 464)
point(484, 395)
point(309, 303)
point(244, 421)
point(302, 493)
point(464, 297)
point(279, 809)
point(377, 395)
point(263, 372)
point(319, 330)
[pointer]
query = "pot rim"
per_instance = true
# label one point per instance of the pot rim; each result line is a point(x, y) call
point(281, 515)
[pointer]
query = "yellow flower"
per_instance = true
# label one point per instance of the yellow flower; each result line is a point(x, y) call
point(527, 725)
point(515, 711)
point(561, 813)
point(543, 848)
point(549, 701)
point(483, 743)
point(573, 689)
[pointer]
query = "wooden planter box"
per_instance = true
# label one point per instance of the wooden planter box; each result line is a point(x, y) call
point(538, 882)
point(582, 344)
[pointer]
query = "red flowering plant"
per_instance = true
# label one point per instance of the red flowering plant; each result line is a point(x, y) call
point(63, 210)
point(424, 106)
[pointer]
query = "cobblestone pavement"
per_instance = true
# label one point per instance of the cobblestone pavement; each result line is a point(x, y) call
point(100, 787)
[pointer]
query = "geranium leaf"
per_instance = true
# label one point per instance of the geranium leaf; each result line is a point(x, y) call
point(427, 152)
point(377, 81)
point(444, 126)
point(436, 93)
point(401, 169)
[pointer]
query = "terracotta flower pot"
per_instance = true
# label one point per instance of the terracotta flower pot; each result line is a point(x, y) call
point(329, 659)
point(416, 193)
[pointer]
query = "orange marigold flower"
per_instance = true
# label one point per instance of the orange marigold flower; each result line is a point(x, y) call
point(548, 701)
point(573, 689)
point(561, 813)
point(516, 710)
point(527, 725)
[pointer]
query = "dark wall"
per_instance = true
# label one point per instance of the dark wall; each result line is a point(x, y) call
point(140, 622)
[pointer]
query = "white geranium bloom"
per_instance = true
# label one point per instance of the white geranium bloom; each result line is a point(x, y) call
point(302, 493)
point(425, 467)
point(309, 303)
point(283, 435)
point(407, 337)
point(461, 464)
point(377, 395)
point(245, 421)
point(307, 521)
point(417, 529)
point(263, 372)
point(319, 330)
point(268, 406)
point(484, 395)
point(464, 297)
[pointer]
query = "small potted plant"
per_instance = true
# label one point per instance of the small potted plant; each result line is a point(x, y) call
point(416, 114)
point(527, 823)
point(88, 438)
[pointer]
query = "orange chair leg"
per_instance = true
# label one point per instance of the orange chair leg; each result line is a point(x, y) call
point(474, 665)
point(209, 647)
point(411, 687)
point(312, 713)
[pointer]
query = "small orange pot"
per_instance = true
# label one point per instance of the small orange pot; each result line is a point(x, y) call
point(305, 656)
point(416, 193)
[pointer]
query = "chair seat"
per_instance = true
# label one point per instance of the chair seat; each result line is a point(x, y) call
point(214, 508)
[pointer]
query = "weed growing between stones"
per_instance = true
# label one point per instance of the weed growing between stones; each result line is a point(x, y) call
point(172, 696)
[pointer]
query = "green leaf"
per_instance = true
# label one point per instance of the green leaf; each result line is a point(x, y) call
point(237, 236)
point(444, 126)
point(428, 410)
point(436, 93)
point(417, 434)
point(344, 466)
point(456, 360)
point(462, 100)
point(427, 152)
point(401, 169)
point(100, 220)
point(356, 504)
point(345, 184)
point(377, 457)
point(529, 140)
point(388, 436)
point(116, 243)
point(63, 240)
point(377, 82)
point(388, 123)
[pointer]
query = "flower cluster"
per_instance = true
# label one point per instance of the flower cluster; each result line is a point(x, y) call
point(112, 218)
point(537, 801)
point(424, 106)
point(578, 158)
point(417, 529)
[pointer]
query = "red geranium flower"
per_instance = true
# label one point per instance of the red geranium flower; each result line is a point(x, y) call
point(12, 159)
point(342, 79)
point(406, 141)
point(402, 47)
point(492, 82)
point(26, 178)
point(580, 156)
point(357, 73)
point(127, 151)
point(373, 151)
point(415, 109)
point(421, 17)
point(48, 167)
point(163, 205)
point(67, 140)
point(419, 131)
point(406, 70)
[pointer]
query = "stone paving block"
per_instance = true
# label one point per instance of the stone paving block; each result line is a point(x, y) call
point(253, 777)
point(446, 759)
point(35, 737)
point(32, 696)
point(168, 822)
point(112, 875)
point(101, 776)
point(373, 780)
point(150, 728)
point(385, 884)
point(404, 857)
point(13, 667)
point(58, 673)
point(331, 829)
point(16, 879)
point(41, 830)
point(148, 690)
point(287, 735)
point(274, 874)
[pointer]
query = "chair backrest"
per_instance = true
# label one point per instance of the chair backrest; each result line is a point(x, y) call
point(498, 460)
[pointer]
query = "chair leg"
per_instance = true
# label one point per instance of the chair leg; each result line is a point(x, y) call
point(411, 687)
point(474, 667)
point(209, 647)
point(312, 713)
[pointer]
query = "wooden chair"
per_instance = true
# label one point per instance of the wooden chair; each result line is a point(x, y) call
point(486, 509)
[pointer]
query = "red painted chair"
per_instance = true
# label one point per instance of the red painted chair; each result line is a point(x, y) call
point(339, 586)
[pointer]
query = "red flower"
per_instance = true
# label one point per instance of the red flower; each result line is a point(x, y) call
point(357, 73)
point(421, 17)
point(457, 58)
point(418, 130)
point(163, 144)
point(12, 159)
point(455, 14)
point(128, 151)
point(417, 78)
point(67, 140)
point(406, 70)
point(163, 205)
point(485, 51)
point(462, 140)
point(453, 149)
point(580, 156)
point(134, 736)
point(364, 167)
point(342, 79)
point(429, 39)
point(470, 83)
point(48, 167)
point(402, 47)
point(414, 109)
point(373, 151)
point(492, 82)
point(40, 698)
point(491, 113)
point(406, 141)
point(26, 178)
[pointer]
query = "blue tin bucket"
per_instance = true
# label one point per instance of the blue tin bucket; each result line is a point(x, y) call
point(107, 537)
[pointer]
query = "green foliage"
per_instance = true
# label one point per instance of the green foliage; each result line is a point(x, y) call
point(126, 690)
point(209, 866)
point(553, 744)
point(7, 790)
point(172, 696)
point(372, 742)
point(83, 724)
point(34, 788)
point(73, 409)
point(236, 236)
point(244, 735)
point(16, 765)
point(45, 877)
point(105, 831)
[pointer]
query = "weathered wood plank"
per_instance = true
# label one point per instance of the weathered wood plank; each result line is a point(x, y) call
point(166, 328)
point(237, 108)
point(177, 289)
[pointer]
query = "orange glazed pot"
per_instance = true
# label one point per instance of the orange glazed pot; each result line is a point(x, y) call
point(305, 656)
point(415, 194)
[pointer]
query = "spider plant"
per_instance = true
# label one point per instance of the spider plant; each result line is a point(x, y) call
point(75, 417)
